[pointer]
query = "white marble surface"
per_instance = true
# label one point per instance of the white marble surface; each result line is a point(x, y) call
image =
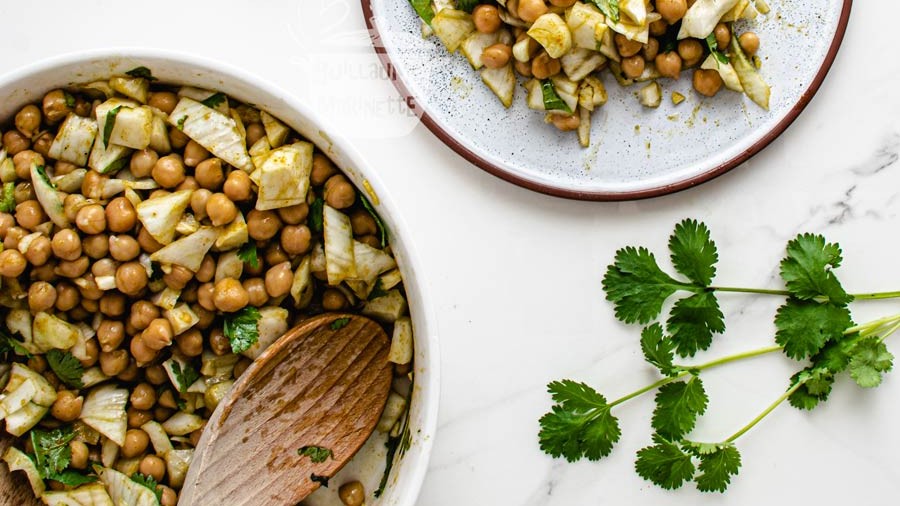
point(516, 275)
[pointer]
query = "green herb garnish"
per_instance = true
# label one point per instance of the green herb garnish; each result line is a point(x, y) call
point(70, 100)
point(552, 102)
point(180, 123)
point(316, 210)
point(8, 203)
point(148, 482)
point(423, 9)
point(143, 72)
point(248, 254)
point(72, 478)
point(339, 323)
point(240, 328)
point(713, 46)
point(382, 230)
point(66, 367)
point(110, 124)
point(813, 326)
point(10, 344)
point(467, 5)
point(213, 101)
point(377, 290)
point(51, 450)
point(316, 454)
point(609, 8)
point(185, 375)
point(42, 173)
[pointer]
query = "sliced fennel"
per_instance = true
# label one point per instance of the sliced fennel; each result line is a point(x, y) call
point(753, 84)
point(213, 130)
point(50, 332)
point(283, 178)
point(160, 215)
point(104, 411)
point(402, 342)
point(726, 71)
point(452, 27)
point(587, 26)
point(552, 32)
point(387, 308)
point(272, 324)
point(48, 196)
point(73, 140)
point(19, 461)
point(702, 17)
point(502, 81)
point(189, 250)
point(124, 491)
point(340, 263)
point(92, 494)
point(276, 131)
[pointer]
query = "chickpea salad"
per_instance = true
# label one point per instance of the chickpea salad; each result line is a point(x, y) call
point(156, 239)
point(562, 48)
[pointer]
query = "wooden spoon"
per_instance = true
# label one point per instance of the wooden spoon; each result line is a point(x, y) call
point(14, 487)
point(324, 383)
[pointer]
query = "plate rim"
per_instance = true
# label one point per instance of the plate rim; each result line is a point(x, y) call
point(606, 195)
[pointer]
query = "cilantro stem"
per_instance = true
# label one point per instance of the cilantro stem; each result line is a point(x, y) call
point(876, 295)
point(870, 327)
point(652, 386)
point(765, 412)
point(785, 293)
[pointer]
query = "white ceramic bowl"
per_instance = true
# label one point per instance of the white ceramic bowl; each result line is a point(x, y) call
point(29, 84)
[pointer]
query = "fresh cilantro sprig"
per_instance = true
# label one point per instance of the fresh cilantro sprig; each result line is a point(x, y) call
point(66, 367)
point(813, 326)
point(52, 453)
point(241, 330)
point(248, 254)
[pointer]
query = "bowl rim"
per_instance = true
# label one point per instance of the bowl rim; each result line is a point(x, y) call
point(513, 177)
point(430, 403)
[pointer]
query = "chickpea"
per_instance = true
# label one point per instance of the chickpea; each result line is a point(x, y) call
point(671, 10)
point(92, 186)
point(229, 295)
point(352, 493)
point(241, 366)
point(295, 239)
point(256, 290)
point(143, 397)
point(147, 242)
point(690, 51)
point(13, 236)
point(279, 279)
point(530, 10)
point(12, 263)
point(262, 225)
point(190, 343)
point(151, 465)
point(66, 244)
point(24, 192)
point(167, 399)
point(723, 36)
point(218, 343)
point(71, 204)
point(112, 304)
point(194, 153)
point(189, 292)
point(131, 373)
point(142, 162)
point(22, 163)
point(67, 297)
point(707, 82)
point(158, 334)
point(79, 452)
point(156, 375)
point(668, 64)
point(562, 3)
point(136, 441)
point(37, 363)
point(95, 246)
point(42, 144)
point(255, 132)
point(91, 219)
point(41, 296)
point(113, 362)
point(140, 351)
point(67, 406)
point(206, 317)
point(334, 300)
point(73, 268)
point(189, 183)
point(274, 255)
point(339, 193)
point(363, 223)
point(168, 497)
point(46, 272)
point(237, 186)
point(523, 68)
point(110, 334)
point(14, 142)
point(55, 106)
point(162, 414)
point(565, 122)
point(83, 107)
point(626, 47)
point(749, 42)
point(7, 221)
point(91, 352)
point(120, 215)
point(104, 267)
point(543, 66)
point(123, 247)
point(199, 199)
point(168, 171)
point(88, 288)
point(28, 120)
point(39, 251)
point(177, 138)
point(221, 210)
point(371, 240)
point(633, 66)
point(206, 296)
point(178, 278)
point(322, 169)
point(142, 313)
point(651, 49)
point(209, 174)
point(496, 56)
point(30, 214)
point(131, 278)
point(138, 417)
point(165, 101)
point(658, 28)
point(486, 18)
point(207, 269)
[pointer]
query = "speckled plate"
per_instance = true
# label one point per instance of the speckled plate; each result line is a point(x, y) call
point(635, 152)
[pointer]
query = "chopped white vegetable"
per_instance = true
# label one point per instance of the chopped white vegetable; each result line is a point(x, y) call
point(259, 151)
point(370, 262)
point(726, 71)
point(272, 324)
point(159, 136)
point(137, 88)
point(230, 265)
point(393, 410)
point(579, 63)
point(402, 342)
point(50, 332)
point(166, 299)
point(92, 494)
point(587, 26)
point(48, 197)
point(234, 235)
point(174, 368)
point(132, 127)
point(23, 420)
point(160, 215)
point(754, 85)
point(73, 140)
point(276, 131)
point(124, 491)
point(584, 127)
point(475, 44)
point(104, 410)
point(187, 225)
point(71, 182)
point(387, 308)
point(567, 90)
point(213, 365)
point(636, 10)
point(187, 251)
point(553, 33)
point(650, 95)
point(109, 452)
point(216, 392)
point(283, 178)
point(177, 464)
point(339, 260)
point(200, 95)
point(182, 318)
point(158, 437)
point(17, 460)
point(452, 27)
point(301, 286)
point(181, 424)
point(106, 159)
point(702, 17)
point(93, 376)
point(502, 81)
point(213, 130)
point(390, 279)
point(591, 93)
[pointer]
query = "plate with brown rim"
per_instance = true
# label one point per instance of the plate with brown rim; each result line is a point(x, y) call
point(635, 152)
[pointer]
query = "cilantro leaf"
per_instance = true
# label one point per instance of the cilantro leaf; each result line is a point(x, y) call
point(552, 100)
point(870, 358)
point(579, 425)
point(382, 229)
point(424, 9)
point(609, 8)
point(677, 406)
point(377, 290)
point(815, 388)
point(66, 367)
point(339, 323)
point(240, 328)
point(214, 100)
point(110, 124)
point(807, 269)
point(717, 468)
point(72, 478)
point(141, 72)
point(713, 46)
point(467, 5)
point(658, 349)
point(693, 321)
point(70, 100)
point(10, 344)
point(42, 173)
point(8, 202)
point(150, 483)
point(665, 464)
point(317, 454)
point(51, 450)
point(804, 326)
point(248, 254)
point(316, 210)
point(185, 375)
point(636, 286)
point(693, 252)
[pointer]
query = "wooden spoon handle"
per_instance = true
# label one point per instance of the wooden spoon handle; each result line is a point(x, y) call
point(324, 383)
point(14, 487)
